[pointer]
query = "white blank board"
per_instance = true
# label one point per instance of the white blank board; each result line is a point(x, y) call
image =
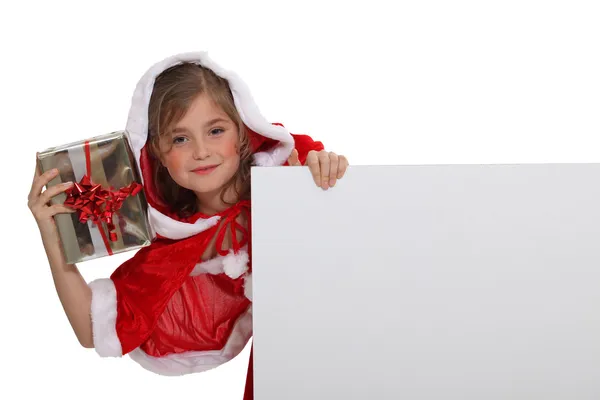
point(428, 282)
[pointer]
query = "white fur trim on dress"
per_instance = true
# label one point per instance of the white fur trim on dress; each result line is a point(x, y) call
point(137, 120)
point(104, 318)
point(232, 264)
point(173, 229)
point(235, 264)
point(214, 266)
point(199, 361)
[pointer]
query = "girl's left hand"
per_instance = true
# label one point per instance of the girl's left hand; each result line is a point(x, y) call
point(326, 167)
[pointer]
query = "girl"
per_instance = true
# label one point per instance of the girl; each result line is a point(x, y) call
point(184, 303)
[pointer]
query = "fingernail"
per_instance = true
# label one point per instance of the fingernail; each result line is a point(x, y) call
point(332, 183)
point(67, 183)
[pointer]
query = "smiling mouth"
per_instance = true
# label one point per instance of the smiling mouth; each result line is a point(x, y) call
point(205, 170)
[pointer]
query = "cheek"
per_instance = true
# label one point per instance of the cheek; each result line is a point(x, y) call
point(173, 161)
point(230, 148)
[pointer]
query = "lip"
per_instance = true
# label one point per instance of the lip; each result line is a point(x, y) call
point(205, 170)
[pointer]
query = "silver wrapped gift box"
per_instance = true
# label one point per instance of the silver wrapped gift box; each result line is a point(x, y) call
point(111, 214)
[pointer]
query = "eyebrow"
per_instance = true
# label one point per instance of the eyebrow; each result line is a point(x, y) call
point(209, 123)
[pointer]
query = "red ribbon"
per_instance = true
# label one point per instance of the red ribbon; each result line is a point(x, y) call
point(230, 221)
point(96, 203)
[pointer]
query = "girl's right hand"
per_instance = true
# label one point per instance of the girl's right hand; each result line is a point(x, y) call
point(39, 202)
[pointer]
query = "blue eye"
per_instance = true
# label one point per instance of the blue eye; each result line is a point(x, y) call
point(217, 131)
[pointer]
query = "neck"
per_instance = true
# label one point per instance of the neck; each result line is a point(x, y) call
point(213, 203)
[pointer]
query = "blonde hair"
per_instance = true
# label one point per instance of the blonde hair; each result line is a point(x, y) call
point(174, 91)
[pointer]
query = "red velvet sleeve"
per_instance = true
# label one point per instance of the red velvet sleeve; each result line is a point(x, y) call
point(144, 284)
point(304, 144)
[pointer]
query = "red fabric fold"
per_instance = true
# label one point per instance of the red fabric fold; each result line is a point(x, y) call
point(156, 283)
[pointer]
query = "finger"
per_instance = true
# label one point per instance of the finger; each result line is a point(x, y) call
point(36, 175)
point(48, 194)
point(312, 161)
point(294, 161)
point(40, 181)
point(333, 168)
point(342, 167)
point(324, 164)
point(50, 212)
point(60, 209)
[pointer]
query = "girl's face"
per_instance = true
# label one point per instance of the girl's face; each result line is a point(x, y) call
point(204, 148)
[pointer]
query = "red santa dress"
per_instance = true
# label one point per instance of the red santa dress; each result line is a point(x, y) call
point(167, 309)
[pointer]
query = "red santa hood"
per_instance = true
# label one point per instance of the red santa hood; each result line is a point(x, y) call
point(271, 144)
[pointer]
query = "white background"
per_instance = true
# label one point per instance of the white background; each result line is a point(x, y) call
point(428, 82)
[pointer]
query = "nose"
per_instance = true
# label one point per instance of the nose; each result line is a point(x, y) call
point(201, 150)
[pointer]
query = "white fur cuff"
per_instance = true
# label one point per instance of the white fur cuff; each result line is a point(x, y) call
point(104, 318)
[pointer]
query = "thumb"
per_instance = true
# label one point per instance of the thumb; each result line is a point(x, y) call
point(293, 159)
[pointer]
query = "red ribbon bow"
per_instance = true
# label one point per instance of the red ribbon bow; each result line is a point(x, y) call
point(229, 221)
point(98, 204)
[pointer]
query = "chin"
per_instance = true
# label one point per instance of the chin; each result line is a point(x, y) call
point(208, 189)
point(209, 184)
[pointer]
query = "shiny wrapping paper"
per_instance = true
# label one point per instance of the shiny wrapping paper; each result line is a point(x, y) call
point(111, 208)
